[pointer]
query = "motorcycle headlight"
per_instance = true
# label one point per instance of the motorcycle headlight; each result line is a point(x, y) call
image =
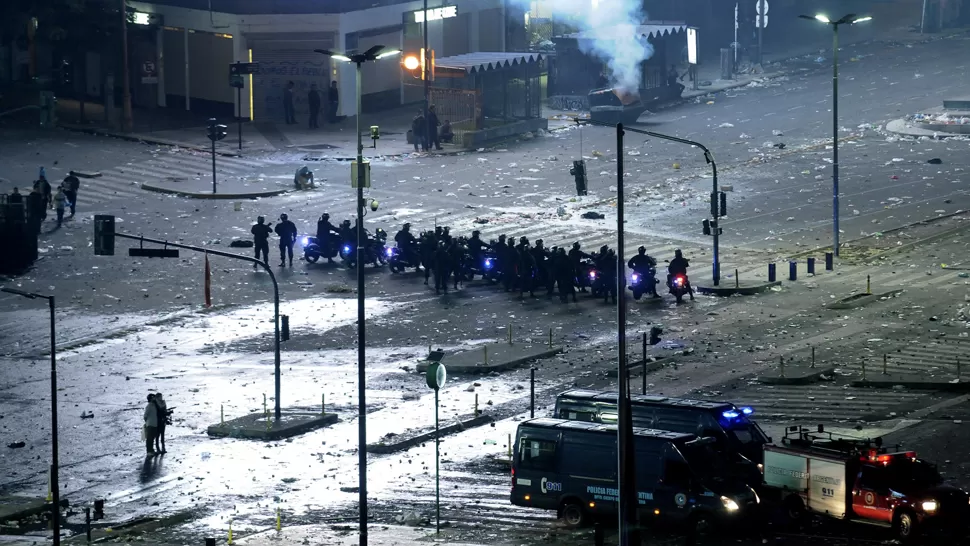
point(306, 241)
point(488, 263)
point(390, 252)
point(635, 277)
point(930, 506)
point(729, 504)
point(592, 274)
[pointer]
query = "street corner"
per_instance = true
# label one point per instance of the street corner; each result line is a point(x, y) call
point(941, 382)
point(260, 426)
point(493, 357)
point(738, 289)
point(15, 507)
point(860, 300)
point(236, 193)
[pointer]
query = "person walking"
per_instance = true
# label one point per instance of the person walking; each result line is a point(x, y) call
point(151, 424)
point(71, 184)
point(163, 419)
point(15, 198)
point(418, 130)
point(433, 123)
point(60, 204)
point(261, 232)
point(333, 100)
point(288, 103)
point(287, 233)
point(313, 100)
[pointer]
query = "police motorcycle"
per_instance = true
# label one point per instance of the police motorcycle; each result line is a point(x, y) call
point(679, 285)
point(375, 249)
point(642, 282)
point(313, 250)
point(402, 258)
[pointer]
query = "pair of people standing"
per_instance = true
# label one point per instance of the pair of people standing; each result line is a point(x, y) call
point(157, 416)
point(287, 232)
point(313, 103)
point(425, 131)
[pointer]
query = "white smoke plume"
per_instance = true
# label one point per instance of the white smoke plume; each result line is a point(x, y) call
point(610, 27)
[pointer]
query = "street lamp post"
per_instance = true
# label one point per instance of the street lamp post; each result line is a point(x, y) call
point(55, 488)
point(373, 54)
point(849, 19)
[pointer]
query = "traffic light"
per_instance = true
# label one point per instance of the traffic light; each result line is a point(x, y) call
point(579, 171)
point(723, 204)
point(216, 132)
point(375, 132)
point(707, 226)
point(104, 235)
point(714, 208)
point(284, 327)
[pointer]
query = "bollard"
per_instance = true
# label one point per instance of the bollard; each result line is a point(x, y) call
point(49, 493)
point(771, 273)
point(532, 392)
point(793, 271)
point(476, 404)
point(210, 542)
point(813, 357)
point(829, 261)
point(811, 266)
point(230, 532)
point(781, 365)
point(737, 281)
point(510, 333)
point(323, 404)
point(87, 522)
point(644, 347)
point(222, 415)
point(485, 351)
point(550, 338)
point(265, 409)
point(958, 370)
point(510, 447)
point(278, 522)
point(885, 364)
point(863, 369)
point(868, 284)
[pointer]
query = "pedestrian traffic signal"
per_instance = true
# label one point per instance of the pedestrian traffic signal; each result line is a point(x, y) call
point(104, 235)
point(706, 226)
point(216, 132)
point(714, 208)
point(579, 172)
point(723, 204)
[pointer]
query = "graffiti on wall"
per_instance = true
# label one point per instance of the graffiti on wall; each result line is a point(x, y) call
point(274, 76)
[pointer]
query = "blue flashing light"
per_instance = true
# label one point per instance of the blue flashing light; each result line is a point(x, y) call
point(306, 241)
point(390, 252)
point(488, 263)
point(636, 277)
point(347, 248)
point(731, 414)
point(747, 410)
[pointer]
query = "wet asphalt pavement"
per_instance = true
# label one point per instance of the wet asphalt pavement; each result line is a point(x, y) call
point(220, 360)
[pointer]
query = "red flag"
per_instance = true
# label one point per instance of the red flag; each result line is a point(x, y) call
point(208, 283)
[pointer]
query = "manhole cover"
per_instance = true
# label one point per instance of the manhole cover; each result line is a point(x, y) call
point(319, 147)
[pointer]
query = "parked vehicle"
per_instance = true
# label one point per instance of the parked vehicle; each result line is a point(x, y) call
point(570, 467)
point(860, 480)
point(730, 425)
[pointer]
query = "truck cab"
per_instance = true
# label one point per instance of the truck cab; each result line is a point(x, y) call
point(860, 479)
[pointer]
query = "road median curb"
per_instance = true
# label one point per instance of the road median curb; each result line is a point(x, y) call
point(214, 196)
point(748, 290)
point(138, 137)
point(384, 448)
point(259, 426)
point(493, 357)
point(914, 382)
point(861, 300)
point(796, 375)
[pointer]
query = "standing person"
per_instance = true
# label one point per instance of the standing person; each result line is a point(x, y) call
point(433, 123)
point(288, 103)
point(163, 413)
point(151, 424)
point(442, 265)
point(418, 130)
point(45, 188)
point(333, 100)
point(324, 230)
point(313, 100)
point(71, 184)
point(287, 233)
point(60, 203)
point(15, 198)
point(36, 210)
point(261, 232)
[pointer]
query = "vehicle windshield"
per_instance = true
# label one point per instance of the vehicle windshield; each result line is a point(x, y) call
point(704, 460)
point(747, 433)
point(909, 476)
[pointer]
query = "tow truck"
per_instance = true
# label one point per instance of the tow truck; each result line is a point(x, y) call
point(817, 472)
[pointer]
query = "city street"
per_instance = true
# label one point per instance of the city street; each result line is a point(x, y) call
point(127, 326)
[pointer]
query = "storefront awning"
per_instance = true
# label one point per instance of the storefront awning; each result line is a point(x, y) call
point(472, 63)
point(646, 30)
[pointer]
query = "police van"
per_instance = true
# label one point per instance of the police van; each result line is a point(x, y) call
point(730, 425)
point(571, 467)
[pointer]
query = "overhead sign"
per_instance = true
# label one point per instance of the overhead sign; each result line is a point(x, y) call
point(435, 14)
point(149, 72)
point(241, 69)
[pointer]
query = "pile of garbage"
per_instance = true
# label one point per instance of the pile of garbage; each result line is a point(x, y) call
point(939, 119)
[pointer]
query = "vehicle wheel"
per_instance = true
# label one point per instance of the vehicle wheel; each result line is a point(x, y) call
point(794, 510)
point(573, 515)
point(701, 527)
point(351, 264)
point(905, 526)
point(637, 295)
point(396, 267)
point(312, 258)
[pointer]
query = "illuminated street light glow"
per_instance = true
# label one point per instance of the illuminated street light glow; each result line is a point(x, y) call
point(862, 20)
point(343, 58)
point(389, 53)
point(823, 18)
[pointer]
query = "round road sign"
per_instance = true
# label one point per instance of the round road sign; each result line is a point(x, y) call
point(437, 375)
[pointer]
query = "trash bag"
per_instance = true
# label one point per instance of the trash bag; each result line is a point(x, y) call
point(593, 215)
